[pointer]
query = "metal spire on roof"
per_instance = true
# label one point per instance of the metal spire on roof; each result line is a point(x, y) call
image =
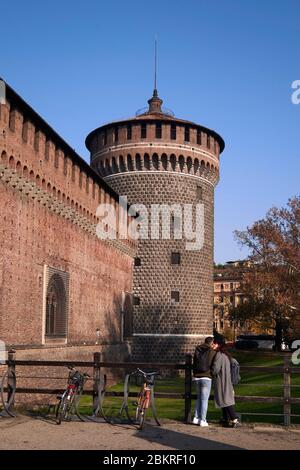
point(155, 63)
point(155, 102)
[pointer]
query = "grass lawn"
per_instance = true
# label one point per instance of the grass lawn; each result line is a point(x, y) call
point(252, 383)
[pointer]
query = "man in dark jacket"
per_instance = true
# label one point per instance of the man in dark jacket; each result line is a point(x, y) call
point(203, 360)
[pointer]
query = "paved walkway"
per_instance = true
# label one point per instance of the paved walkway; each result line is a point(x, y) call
point(25, 432)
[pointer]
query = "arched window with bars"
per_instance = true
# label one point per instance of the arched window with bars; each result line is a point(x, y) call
point(56, 303)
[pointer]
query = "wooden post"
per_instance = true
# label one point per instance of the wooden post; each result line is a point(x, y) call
point(287, 391)
point(188, 388)
point(96, 381)
point(11, 367)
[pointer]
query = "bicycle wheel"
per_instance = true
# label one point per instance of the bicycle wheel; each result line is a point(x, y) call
point(60, 410)
point(141, 411)
point(111, 406)
point(8, 390)
point(131, 397)
point(153, 407)
point(76, 405)
point(64, 408)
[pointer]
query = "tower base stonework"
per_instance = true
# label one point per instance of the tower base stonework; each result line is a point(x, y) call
point(164, 349)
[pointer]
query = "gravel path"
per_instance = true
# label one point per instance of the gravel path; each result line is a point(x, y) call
point(25, 432)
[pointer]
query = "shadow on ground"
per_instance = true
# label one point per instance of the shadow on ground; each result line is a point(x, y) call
point(181, 441)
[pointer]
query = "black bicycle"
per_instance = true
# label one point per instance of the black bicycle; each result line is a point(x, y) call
point(69, 400)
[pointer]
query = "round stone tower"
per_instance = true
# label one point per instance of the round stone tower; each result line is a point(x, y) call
point(156, 158)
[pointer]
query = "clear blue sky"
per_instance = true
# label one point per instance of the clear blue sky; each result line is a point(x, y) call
point(227, 64)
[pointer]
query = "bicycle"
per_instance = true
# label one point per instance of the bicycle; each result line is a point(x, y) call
point(145, 397)
point(69, 400)
point(8, 390)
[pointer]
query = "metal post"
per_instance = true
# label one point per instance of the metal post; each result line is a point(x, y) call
point(287, 391)
point(96, 381)
point(188, 388)
point(11, 367)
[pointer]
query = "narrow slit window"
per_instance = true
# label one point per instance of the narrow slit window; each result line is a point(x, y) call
point(199, 137)
point(129, 132)
point(137, 261)
point(173, 131)
point(175, 258)
point(175, 296)
point(143, 131)
point(158, 131)
point(199, 193)
point(187, 134)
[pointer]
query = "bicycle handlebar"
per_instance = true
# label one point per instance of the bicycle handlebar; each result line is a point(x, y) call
point(145, 374)
point(76, 370)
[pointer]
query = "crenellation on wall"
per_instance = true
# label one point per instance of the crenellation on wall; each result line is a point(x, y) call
point(40, 161)
point(40, 144)
point(47, 161)
point(30, 134)
point(15, 121)
point(4, 114)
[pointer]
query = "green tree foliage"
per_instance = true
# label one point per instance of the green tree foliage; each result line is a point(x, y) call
point(271, 287)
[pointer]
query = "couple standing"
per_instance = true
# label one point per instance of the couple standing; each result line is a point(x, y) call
point(213, 363)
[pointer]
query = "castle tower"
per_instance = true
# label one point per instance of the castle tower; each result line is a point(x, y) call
point(156, 158)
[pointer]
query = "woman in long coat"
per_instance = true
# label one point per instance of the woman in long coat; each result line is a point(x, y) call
point(223, 388)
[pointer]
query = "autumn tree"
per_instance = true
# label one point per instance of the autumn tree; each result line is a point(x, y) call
point(271, 286)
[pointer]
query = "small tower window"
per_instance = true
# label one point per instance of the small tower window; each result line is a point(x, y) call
point(175, 258)
point(198, 137)
point(208, 142)
point(174, 296)
point(158, 130)
point(116, 134)
point(143, 130)
point(129, 132)
point(187, 134)
point(173, 131)
point(137, 261)
point(199, 193)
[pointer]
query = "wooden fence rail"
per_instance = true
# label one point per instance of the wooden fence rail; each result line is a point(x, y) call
point(286, 400)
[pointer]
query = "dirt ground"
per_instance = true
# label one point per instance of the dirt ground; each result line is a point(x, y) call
point(26, 432)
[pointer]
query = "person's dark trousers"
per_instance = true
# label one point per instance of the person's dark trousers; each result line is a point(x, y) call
point(228, 413)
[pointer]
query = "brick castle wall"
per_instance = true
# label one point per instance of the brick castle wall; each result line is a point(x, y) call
point(49, 197)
